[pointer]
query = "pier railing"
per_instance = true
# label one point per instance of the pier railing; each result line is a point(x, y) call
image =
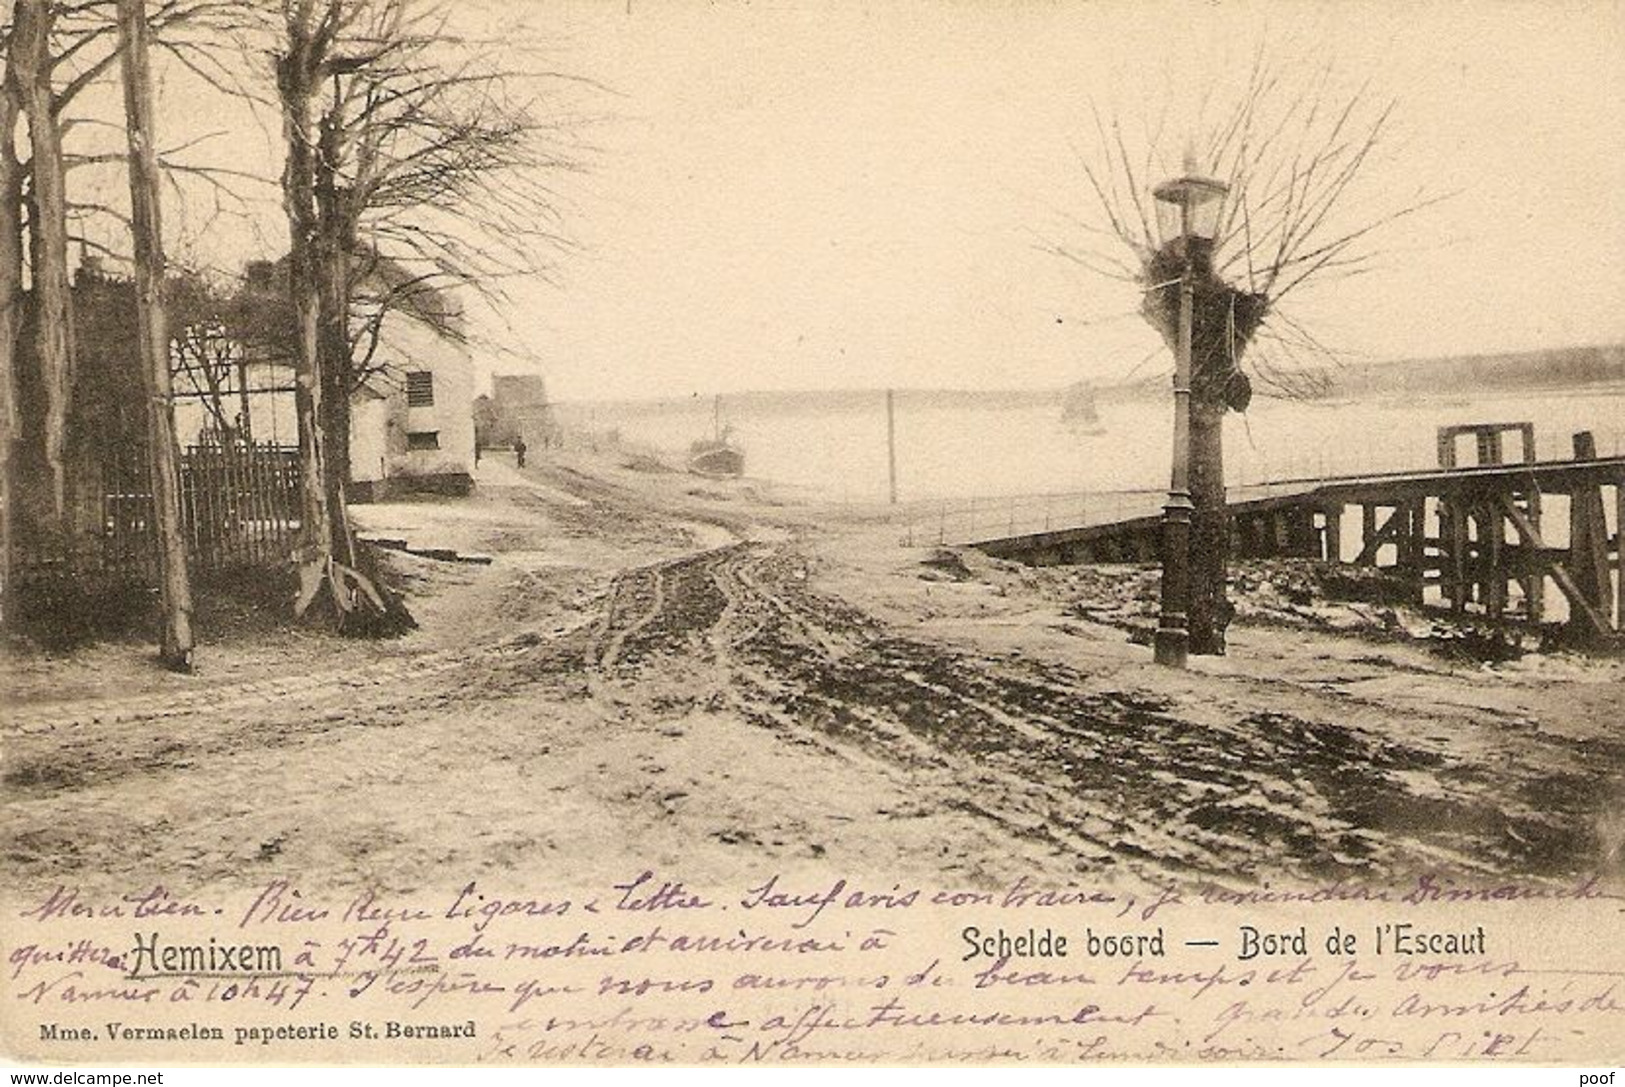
point(959, 521)
point(1468, 540)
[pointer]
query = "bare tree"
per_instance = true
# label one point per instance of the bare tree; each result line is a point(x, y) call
point(175, 647)
point(51, 54)
point(1294, 151)
point(209, 354)
point(433, 175)
point(31, 67)
point(393, 126)
point(11, 298)
point(410, 168)
point(303, 64)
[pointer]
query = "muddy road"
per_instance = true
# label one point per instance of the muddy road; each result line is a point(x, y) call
point(1109, 779)
point(723, 709)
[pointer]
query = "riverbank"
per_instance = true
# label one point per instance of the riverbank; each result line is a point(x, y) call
point(661, 672)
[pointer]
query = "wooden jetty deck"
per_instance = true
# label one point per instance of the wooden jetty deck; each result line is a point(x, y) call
point(1478, 541)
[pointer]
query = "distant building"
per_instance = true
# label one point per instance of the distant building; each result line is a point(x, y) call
point(520, 409)
point(487, 424)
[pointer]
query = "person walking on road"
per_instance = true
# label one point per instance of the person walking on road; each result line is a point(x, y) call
point(519, 452)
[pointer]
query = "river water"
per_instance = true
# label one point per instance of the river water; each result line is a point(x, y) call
point(835, 447)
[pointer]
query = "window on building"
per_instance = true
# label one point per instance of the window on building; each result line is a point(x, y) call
point(420, 389)
point(422, 439)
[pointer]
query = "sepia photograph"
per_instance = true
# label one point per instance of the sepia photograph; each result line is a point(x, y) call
point(627, 533)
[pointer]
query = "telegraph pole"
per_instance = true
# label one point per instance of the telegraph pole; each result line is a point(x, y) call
point(891, 447)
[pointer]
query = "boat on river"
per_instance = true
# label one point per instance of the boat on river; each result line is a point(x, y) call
point(1078, 411)
point(717, 457)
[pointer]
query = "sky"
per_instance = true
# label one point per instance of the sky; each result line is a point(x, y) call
point(837, 194)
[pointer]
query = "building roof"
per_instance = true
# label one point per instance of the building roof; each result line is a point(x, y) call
point(421, 296)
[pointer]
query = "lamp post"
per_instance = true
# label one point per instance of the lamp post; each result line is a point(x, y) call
point(1187, 216)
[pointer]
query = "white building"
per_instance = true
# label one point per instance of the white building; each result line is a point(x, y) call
point(412, 420)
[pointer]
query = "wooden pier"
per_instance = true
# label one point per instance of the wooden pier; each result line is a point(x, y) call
point(1479, 541)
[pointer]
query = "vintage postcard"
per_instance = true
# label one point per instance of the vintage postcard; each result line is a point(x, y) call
point(812, 533)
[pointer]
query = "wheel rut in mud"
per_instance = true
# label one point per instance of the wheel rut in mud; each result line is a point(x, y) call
point(1096, 780)
point(1108, 778)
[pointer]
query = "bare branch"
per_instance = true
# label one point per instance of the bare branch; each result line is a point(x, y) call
point(1300, 151)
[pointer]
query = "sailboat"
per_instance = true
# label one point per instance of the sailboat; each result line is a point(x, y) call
point(717, 456)
point(1078, 411)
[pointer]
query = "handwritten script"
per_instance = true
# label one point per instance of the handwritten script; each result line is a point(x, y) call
point(794, 968)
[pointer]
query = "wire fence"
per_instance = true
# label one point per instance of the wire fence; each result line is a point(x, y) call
point(951, 522)
point(955, 521)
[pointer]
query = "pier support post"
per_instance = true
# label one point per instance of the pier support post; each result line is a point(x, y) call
point(1588, 533)
point(1334, 534)
point(1456, 564)
point(1492, 573)
point(1534, 579)
point(1619, 555)
point(1413, 551)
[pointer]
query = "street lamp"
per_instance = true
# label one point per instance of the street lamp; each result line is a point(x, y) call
point(1188, 212)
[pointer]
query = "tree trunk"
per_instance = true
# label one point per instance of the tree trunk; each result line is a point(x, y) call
point(1210, 536)
point(333, 274)
point(336, 349)
point(328, 559)
point(295, 79)
point(245, 422)
point(334, 345)
point(11, 292)
point(49, 237)
point(214, 400)
point(175, 646)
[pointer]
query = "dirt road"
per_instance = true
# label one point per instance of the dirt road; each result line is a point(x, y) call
point(1107, 779)
point(647, 677)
